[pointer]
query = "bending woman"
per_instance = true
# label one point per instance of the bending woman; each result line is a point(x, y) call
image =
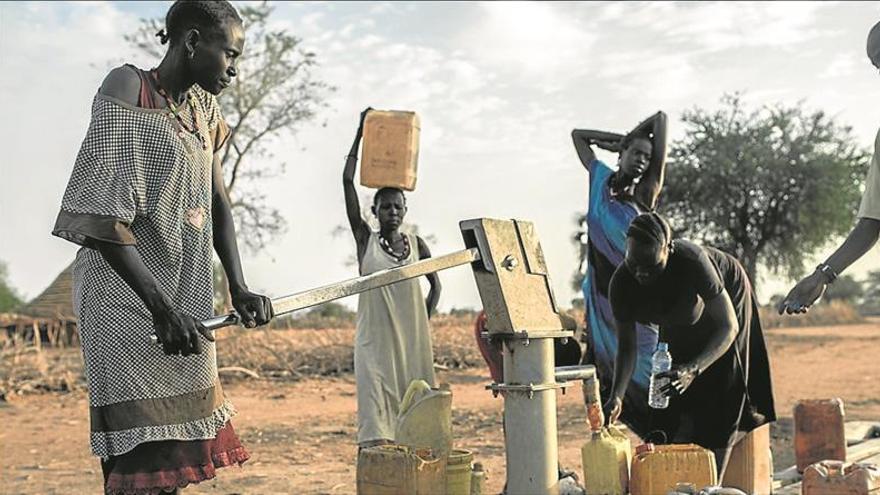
point(704, 304)
point(393, 340)
point(616, 197)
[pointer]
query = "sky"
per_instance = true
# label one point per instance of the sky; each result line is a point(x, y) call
point(498, 87)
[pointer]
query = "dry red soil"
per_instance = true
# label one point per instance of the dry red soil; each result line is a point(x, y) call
point(301, 434)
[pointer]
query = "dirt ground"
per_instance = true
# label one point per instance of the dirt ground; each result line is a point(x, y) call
point(301, 434)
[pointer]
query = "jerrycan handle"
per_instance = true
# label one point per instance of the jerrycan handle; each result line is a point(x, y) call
point(415, 387)
point(645, 448)
point(835, 468)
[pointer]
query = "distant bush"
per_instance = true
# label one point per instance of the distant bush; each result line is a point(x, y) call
point(834, 312)
point(288, 354)
point(293, 354)
point(455, 345)
point(464, 312)
point(327, 315)
point(25, 370)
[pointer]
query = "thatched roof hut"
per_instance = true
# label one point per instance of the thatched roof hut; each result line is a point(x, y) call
point(49, 315)
point(56, 301)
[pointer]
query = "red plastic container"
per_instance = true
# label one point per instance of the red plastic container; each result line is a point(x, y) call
point(838, 478)
point(818, 432)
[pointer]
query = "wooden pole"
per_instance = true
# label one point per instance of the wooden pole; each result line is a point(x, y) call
point(37, 342)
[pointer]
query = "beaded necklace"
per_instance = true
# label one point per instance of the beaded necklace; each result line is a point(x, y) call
point(174, 111)
point(624, 193)
point(388, 248)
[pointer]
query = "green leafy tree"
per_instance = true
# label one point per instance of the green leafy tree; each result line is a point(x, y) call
point(770, 185)
point(9, 298)
point(274, 95)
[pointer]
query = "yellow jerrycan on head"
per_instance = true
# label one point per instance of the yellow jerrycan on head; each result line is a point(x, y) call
point(425, 418)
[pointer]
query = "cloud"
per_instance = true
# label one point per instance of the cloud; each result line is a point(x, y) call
point(536, 38)
point(452, 92)
point(54, 57)
point(710, 27)
point(381, 8)
point(842, 66)
point(95, 28)
point(499, 86)
point(641, 75)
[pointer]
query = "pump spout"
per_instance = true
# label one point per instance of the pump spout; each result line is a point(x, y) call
point(574, 373)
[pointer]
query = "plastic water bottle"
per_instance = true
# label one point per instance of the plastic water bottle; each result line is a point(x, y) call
point(661, 361)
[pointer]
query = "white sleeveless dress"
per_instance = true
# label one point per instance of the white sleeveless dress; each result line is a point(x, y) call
point(392, 345)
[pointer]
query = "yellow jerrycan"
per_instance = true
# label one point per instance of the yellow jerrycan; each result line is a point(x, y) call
point(425, 418)
point(390, 150)
point(658, 468)
point(606, 458)
point(396, 469)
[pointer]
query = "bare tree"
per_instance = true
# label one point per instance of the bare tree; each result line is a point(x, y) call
point(274, 95)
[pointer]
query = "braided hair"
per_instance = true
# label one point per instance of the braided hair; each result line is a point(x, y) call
point(205, 15)
point(388, 191)
point(632, 136)
point(650, 228)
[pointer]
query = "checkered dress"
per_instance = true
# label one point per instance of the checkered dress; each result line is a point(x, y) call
point(139, 181)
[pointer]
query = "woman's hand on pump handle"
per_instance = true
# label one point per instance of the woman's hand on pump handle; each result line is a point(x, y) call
point(178, 333)
point(253, 309)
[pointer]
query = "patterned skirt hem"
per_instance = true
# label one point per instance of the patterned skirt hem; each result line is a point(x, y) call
point(114, 443)
point(166, 481)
